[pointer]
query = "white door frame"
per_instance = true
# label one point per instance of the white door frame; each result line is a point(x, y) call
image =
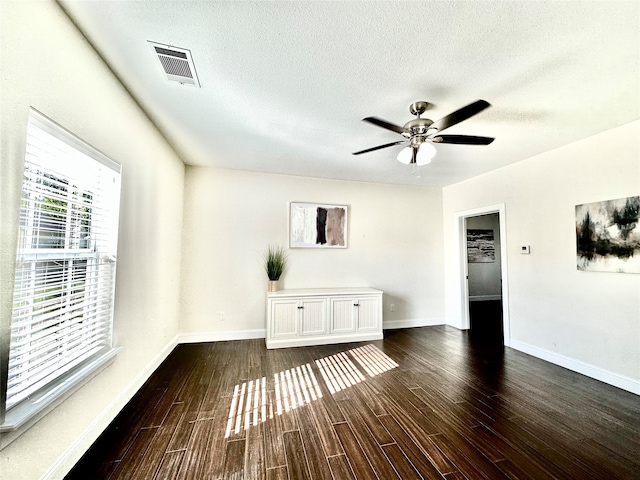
point(461, 238)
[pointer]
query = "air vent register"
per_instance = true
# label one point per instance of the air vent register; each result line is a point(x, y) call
point(176, 63)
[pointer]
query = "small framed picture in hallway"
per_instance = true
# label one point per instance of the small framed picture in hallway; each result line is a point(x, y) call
point(480, 246)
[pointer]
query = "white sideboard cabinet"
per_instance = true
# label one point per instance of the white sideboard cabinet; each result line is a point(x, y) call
point(327, 315)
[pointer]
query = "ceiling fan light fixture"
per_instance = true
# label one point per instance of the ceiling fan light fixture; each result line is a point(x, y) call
point(405, 155)
point(426, 152)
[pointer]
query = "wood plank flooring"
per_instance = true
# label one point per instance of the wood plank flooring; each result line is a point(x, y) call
point(428, 403)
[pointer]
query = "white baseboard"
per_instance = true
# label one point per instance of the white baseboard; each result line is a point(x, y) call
point(420, 322)
point(200, 337)
point(72, 455)
point(481, 298)
point(621, 381)
point(317, 340)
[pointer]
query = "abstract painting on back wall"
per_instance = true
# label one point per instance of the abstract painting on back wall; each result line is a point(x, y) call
point(608, 236)
point(313, 225)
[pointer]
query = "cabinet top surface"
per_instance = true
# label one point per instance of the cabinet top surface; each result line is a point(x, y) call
point(302, 292)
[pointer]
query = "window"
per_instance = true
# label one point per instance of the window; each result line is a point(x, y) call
point(61, 329)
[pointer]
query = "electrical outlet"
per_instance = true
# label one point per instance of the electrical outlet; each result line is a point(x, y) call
point(222, 316)
point(392, 307)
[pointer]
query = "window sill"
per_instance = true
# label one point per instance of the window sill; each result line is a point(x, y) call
point(22, 416)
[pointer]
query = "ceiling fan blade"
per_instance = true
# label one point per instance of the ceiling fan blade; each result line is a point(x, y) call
point(462, 139)
point(460, 115)
point(384, 124)
point(378, 147)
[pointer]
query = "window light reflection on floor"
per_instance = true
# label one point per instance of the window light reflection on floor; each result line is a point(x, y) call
point(249, 403)
point(252, 403)
point(373, 360)
point(339, 372)
point(295, 387)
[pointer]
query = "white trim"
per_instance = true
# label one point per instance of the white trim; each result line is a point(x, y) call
point(323, 340)
point(482, 298)
point(419, 322)
point(200, 337)
point(34, 408)
point(463, 322)
point(72, 455)
point(52, 128)
point(621, 381)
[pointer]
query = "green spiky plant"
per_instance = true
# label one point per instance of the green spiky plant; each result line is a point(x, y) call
point(275, 259)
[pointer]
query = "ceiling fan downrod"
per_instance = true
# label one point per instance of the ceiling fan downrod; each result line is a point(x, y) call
point(417, 126)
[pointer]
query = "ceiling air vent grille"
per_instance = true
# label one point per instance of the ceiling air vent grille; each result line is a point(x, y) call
point(176, 63)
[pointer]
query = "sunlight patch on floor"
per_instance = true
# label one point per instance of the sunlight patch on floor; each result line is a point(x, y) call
point(298, 386)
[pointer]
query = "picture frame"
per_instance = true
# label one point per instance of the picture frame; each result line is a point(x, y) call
point(608, 236)
point(318, 225)
point(480, 246)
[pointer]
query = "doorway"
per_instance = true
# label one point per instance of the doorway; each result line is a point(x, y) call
point(484, 297)
point(484, 279)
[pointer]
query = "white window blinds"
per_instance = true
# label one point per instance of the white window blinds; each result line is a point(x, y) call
point(66, 259)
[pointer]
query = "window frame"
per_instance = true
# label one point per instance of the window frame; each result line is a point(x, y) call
point(16, 417)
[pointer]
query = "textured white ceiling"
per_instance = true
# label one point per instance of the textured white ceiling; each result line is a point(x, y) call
point(285, 84)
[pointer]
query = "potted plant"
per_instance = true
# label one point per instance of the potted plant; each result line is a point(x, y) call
point(275, 259)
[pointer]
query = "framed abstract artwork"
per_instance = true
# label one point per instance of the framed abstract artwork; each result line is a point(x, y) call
point(314, 225)
point(480, 246)
point(608, 236)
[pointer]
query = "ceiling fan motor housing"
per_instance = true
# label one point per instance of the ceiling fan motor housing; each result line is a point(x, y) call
point(417, 126)
point(418, 140)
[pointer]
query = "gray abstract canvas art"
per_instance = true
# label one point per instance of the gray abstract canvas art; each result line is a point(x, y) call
point(608, 236)
point(480, 246)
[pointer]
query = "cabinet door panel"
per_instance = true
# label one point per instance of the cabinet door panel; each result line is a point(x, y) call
point(368, 314)
point(314, 316)
point(343, 318)
point(284, 315)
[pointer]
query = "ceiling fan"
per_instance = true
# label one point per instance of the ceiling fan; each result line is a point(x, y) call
point(422, 132)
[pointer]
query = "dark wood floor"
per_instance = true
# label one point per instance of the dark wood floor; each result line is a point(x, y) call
point(429, 402)
point(486, 321)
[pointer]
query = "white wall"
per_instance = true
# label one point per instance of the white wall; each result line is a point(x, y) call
point(395, 244)
point(47, 64)
point(589, 321)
